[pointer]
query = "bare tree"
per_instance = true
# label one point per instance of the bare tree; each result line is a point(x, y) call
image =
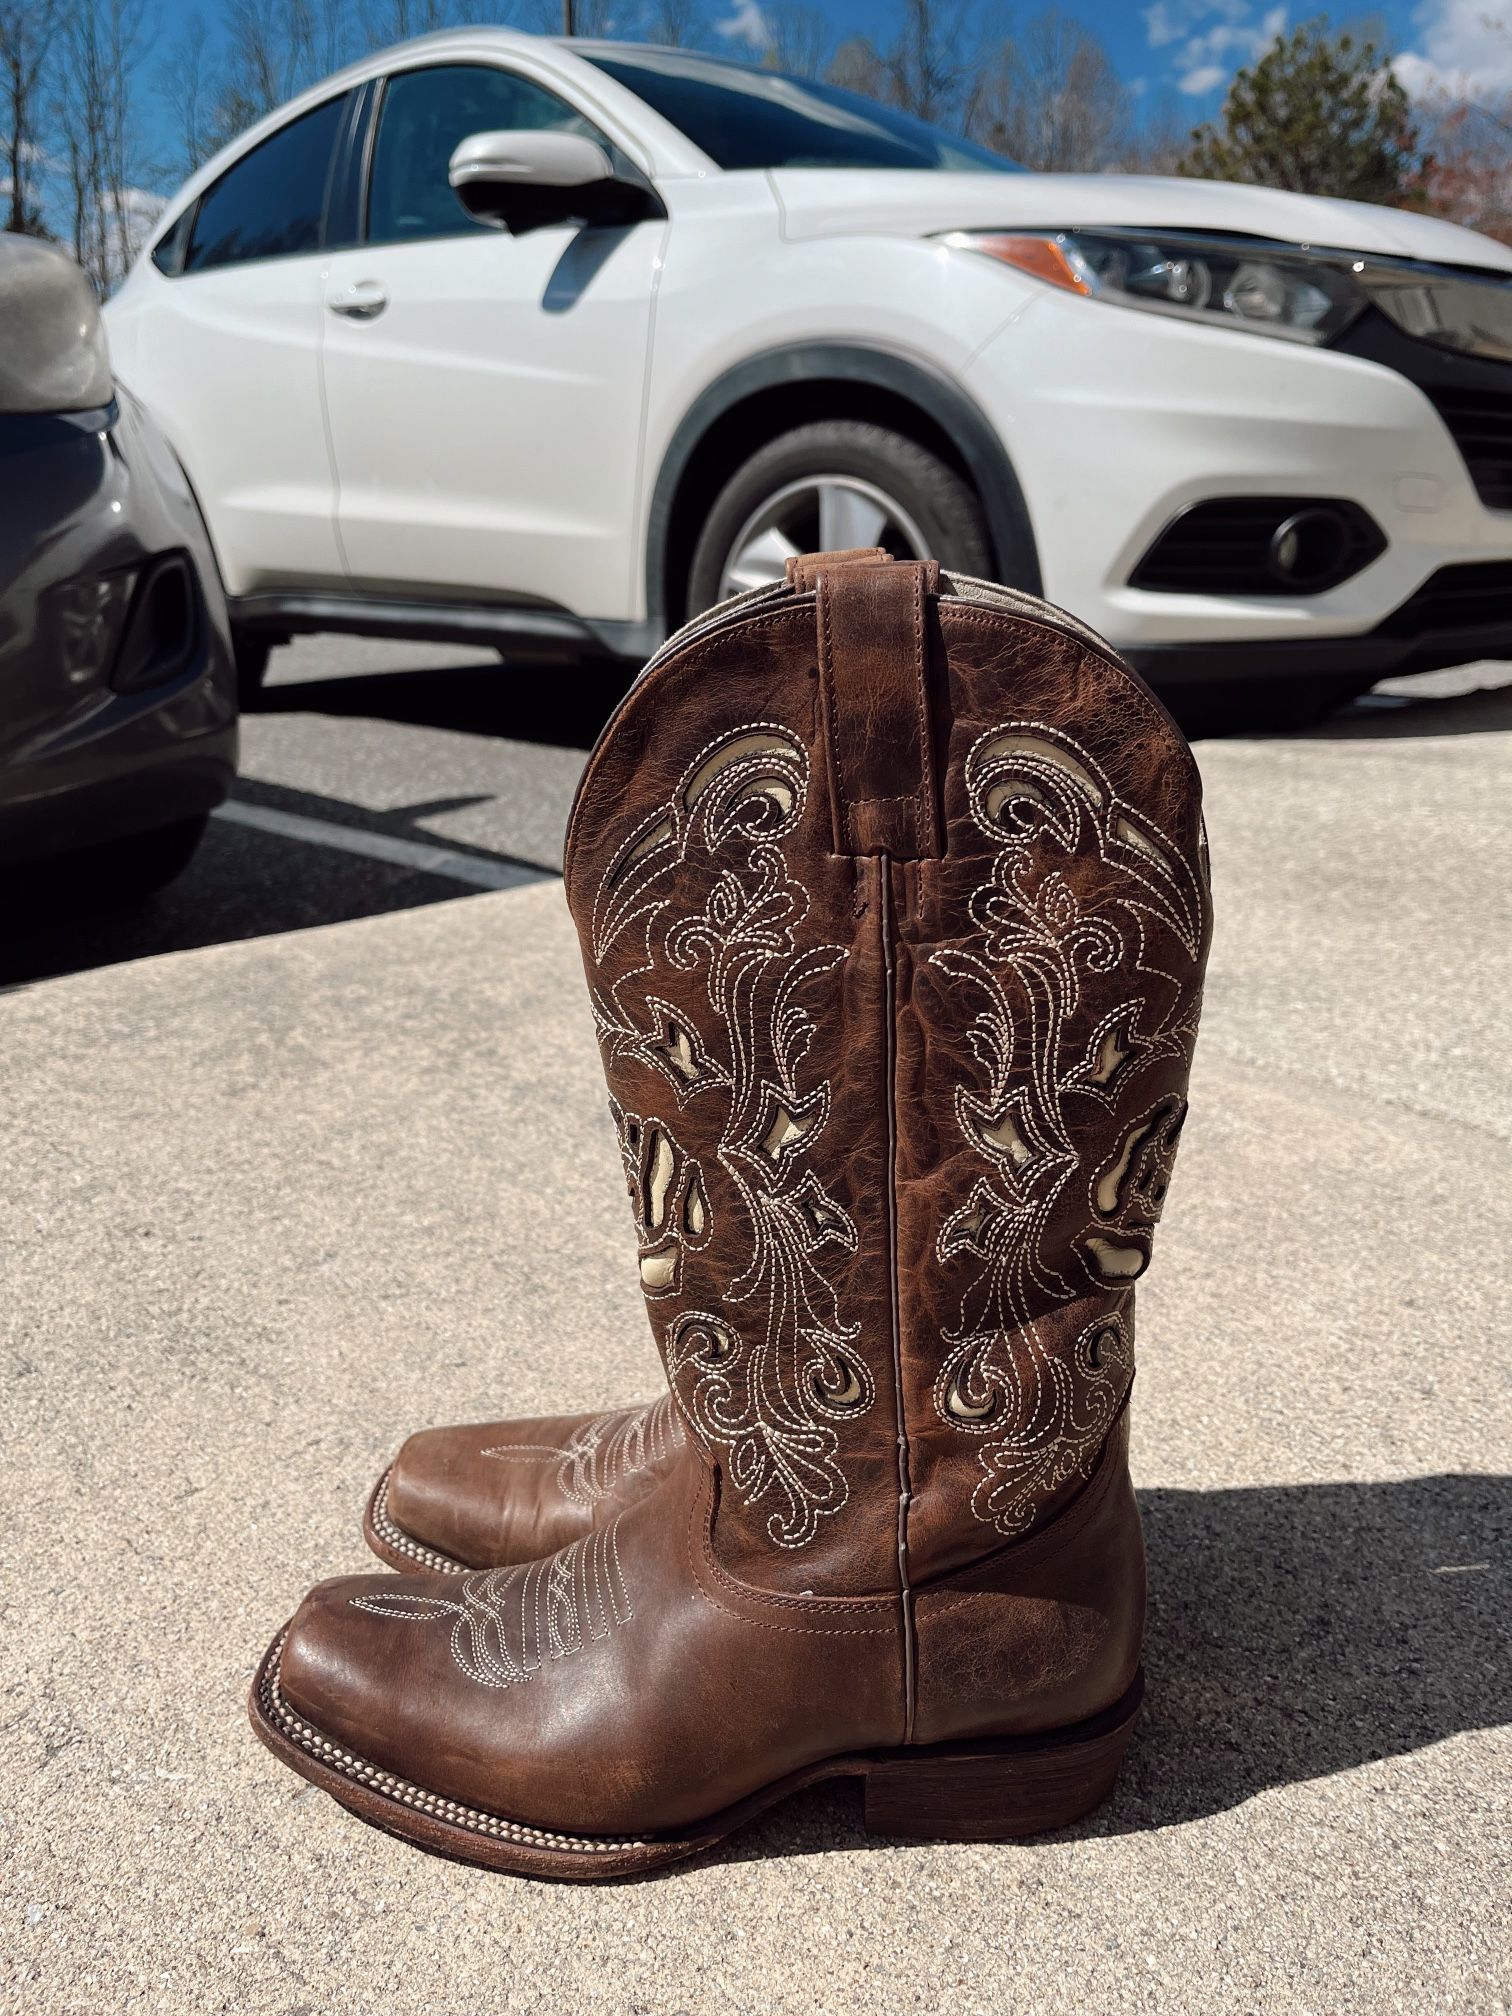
point(856, 66)
point(928, 65)
point(674, 24)
point(333, 35)
point(1052, 99)
point(1159, 141)
point(100, 47)
point(189, 90)
point(1467, 165)
point(800, 38)
point(270, 52)
point(932, 70)
point(27, 34)
point(381, 22)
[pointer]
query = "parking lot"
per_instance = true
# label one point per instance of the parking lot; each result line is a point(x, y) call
point(287, 1192)
point(385, 776)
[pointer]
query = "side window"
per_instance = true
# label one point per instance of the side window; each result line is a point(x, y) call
point(269, 205)
point(425, 113)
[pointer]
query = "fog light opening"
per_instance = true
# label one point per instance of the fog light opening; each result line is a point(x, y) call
point(160, 637)
point(1311, 548)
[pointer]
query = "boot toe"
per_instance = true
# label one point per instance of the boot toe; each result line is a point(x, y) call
point(368, 1688)
point(487, 1496)
point(435, 1495)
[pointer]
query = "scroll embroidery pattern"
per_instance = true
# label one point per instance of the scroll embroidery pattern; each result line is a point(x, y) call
point(701, 905)
point(1081, 888)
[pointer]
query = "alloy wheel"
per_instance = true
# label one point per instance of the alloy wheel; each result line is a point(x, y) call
point(817, 514)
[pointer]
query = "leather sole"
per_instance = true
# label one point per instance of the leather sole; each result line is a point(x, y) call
point(990, 1789)
point(396, 1548)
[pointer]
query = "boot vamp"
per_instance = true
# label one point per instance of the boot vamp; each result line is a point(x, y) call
point(617, 1687)
point(512, 1491)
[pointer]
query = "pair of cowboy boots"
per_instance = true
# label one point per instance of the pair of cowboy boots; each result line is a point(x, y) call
point(892, 894)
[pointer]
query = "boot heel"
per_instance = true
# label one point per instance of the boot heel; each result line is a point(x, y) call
point(998, 1791)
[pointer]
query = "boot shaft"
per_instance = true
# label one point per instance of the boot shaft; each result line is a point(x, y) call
point(894, 917)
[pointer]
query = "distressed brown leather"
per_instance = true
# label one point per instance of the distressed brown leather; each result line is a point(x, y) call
point(874, 644)
point(897, 1100)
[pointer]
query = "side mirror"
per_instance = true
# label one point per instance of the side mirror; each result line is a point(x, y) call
point(523, 180)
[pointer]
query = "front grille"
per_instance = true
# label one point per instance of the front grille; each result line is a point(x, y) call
point(1481, 423)
point(1472, 595)
point(1225, 546)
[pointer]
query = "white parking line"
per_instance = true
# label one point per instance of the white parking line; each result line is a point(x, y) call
point(482, 874)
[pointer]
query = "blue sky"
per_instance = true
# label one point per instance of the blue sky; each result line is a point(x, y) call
point(1176, 55)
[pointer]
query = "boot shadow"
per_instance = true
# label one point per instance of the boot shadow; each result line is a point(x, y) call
point(1294, 1631)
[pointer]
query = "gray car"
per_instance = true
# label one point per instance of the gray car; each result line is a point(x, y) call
point(118, 717)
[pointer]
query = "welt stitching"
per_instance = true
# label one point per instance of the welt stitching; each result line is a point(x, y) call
point(827, 680)
point(772, 1596)
point(702, 1546)
point(924, 796)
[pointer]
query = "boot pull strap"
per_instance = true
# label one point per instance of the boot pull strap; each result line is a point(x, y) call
point(874, 635)
point(803, 568)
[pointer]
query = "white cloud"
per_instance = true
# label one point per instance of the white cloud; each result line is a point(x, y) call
point(1459, 50)
point(142, 206)
point(1241, 41)
point(1159, 27)
point(747, 24)
point(1206, 77)
point(1168, 21)
point(1209, 39)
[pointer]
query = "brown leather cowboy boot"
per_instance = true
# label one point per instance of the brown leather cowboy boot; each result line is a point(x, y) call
point(893, 907)
point(485, 1496)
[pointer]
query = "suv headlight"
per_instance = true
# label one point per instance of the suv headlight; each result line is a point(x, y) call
point(1471, 312)
point(1238, 283)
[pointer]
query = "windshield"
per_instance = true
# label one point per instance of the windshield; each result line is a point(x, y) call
point(744, 118)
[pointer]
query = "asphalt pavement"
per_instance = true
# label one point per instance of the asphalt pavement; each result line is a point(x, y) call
point(380, 776)
point(342, 1166)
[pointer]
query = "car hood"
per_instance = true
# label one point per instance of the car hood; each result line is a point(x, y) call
point(822, 203)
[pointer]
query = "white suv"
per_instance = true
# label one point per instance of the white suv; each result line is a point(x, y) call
point(734, 315)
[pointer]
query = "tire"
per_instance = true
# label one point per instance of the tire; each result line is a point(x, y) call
point(252, 654)
point(114, 877)
point(939, 509)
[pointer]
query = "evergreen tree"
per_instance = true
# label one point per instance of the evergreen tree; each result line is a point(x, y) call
point(1318, 112)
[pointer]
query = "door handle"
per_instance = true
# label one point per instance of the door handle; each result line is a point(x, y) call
point(359, 302)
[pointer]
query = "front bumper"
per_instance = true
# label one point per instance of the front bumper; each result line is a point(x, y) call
point(106, 728)
point(1460, 614)
point(1117, 422)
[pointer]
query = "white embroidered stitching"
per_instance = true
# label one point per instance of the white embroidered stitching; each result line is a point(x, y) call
point(766, 1398)
point(504, 1617)
point(600, 1455)
point(1041, 1415)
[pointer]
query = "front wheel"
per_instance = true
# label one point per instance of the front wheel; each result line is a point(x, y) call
point(827, 486)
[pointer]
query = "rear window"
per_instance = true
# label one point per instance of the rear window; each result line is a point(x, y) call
point(744, 118)
point(270, 204)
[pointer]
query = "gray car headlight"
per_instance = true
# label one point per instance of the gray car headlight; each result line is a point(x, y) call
point(1470, 312)
point(1235, 283)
